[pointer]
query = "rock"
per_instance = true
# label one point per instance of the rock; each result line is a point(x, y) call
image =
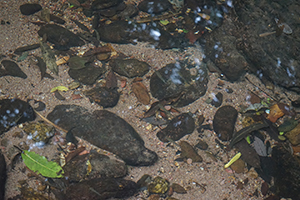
point(2, 175)
point(154, 6)
point(62, 38)
point(294, 135)
point(273, 56)
point(158, 185)
point(217, 100)
point(286, 178)
point(87, 75)
point(178, 188)
point(30, 8)
point(14, 112)
point(101, 188)
point(141, 92)
point(177, 79)
point(103, 96)
point(187, 151)
point(104, 130)
point(177, 128)
point(11, 69)
point(39, 132)
point(249, 155)
point(130, 11)
point(102, 4)
point(129, 67)
point(238, 166)
point(144, 181)
point(202, 145)
point(224, 121)
point(101, 167)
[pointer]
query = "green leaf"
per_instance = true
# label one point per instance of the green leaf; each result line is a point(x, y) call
point(41, 165)
point(164, 22)
point(59, 88)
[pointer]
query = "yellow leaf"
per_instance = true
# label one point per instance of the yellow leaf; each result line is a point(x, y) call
point(59, 88)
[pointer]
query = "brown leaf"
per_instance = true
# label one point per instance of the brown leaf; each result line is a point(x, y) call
point(141, 92)
point(111, 80)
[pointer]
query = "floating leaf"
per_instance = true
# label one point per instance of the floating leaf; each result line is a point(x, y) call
point(164, 22)
point(41, 165)
point(59, 88)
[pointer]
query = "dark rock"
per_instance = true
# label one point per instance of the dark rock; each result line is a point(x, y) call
point(287, 176)
point(62, 38)
point(275, 56)
point(11, 69)
point(105, 130)
point(20, 50)
point(202, 145)
point(30, 8)
point(101, 167)
point(187, 151)
point(177, 128)
point(129, 67)
point(2, 175)
point(220, 47)
point(101, 188)
point(249, 155)
point(14, 112)
point(87, 75)
point(217, 100)
point(56, 19)
point(102, 4)
point(177, 79)
point(117, 32)
point(224, 121)
point(154, 6)
point(103, 96)
point(130, 11)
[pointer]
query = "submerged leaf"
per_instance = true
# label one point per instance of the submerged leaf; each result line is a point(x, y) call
point(59, 88)
point(41, 165)
point(49, 57)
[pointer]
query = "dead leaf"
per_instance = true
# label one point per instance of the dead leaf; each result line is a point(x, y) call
point(111, 80)
point(275, 113)
point(141, 92)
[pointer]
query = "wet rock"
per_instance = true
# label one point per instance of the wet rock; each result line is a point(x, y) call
point(129, 67)
point(2, 175)
point(102, 4)
point(158, 185)
point(177, 128)
point(187, 151)
point(101, 166)
point(11, 69)
point(224, 121)
point(105, 130)
point(13, 112)
point(103, 96)
point(117, 32)
point(87, 75)
point(101, 188)
point(294, 135)
point(130, 11)
point(62, 38)
point(202, 145)
point(238, 166)
point(178, 188)
point(269, 54)
point(249, 155)
point(39, 132)
point(217, 100)
point(30, 8)
point(144, 181)
point(287, 176)
point(177, 79)
point(154, 6)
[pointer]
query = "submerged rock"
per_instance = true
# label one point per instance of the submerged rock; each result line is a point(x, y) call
point(154, 6)
point(14, 112)
point(101, 188)
point(100, 166)
point(129, 67)
point(11, 69)
point(30, 8)
point(87, 75)
point(104, 130)
point(177, 128)
point(2, 175)
point(106, 97)
point(224, 121)
point(39, 132)
point(62, 38)
point(177, 79)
